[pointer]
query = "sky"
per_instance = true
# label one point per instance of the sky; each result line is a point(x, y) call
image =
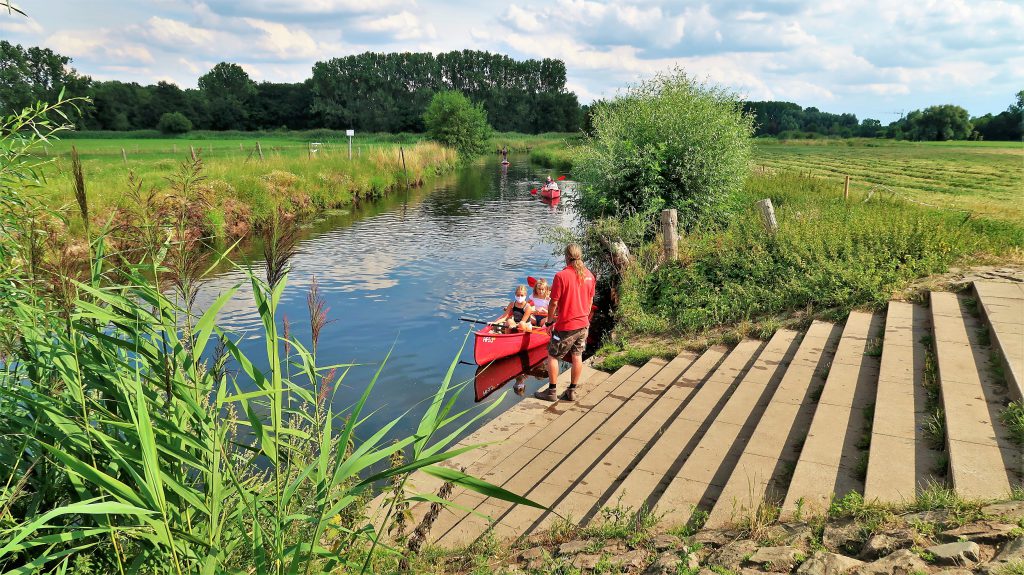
point(875, 58)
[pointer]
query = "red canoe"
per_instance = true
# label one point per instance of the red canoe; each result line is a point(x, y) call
point(550, 193)
point(489, 346)
point(495, 375)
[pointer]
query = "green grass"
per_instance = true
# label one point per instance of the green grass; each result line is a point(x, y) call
point(829, 256)
point(241, 191)
point(1013, 417)
point(983, 178)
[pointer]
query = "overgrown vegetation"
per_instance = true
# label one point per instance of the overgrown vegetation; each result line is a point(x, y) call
point(828, 257)
point(138, 438)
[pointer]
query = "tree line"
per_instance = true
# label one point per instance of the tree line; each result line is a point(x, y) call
point(934, 123)
point(368, 92)
point(377, 92)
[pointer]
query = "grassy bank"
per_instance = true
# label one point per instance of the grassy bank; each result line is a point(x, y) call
point(240, 191)
point(829, 256)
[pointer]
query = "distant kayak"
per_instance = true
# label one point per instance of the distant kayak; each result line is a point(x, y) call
point(550, 193)
point(505, 162)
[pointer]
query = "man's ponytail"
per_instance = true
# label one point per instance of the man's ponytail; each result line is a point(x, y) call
point(574, 257)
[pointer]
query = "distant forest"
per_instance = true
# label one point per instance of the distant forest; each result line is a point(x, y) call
point(376, 92)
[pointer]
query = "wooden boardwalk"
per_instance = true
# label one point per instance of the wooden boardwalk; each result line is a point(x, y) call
point(786, 424)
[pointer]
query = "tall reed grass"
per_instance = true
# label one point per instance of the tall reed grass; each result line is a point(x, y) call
point(137, 437)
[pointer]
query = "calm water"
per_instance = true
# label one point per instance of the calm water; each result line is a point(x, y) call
point(401, 272)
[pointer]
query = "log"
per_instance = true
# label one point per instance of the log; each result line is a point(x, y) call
point(618, 253)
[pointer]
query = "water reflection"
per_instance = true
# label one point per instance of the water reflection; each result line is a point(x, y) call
point(401, 272)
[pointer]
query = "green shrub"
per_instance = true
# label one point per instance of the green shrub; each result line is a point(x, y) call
point(174, 123)
point(669, 142)
point(454, 121)
point(827, 258)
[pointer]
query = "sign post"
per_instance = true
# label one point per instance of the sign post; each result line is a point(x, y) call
point(350, 133)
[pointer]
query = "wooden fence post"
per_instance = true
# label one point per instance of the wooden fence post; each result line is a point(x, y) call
point(846, 189)
point(670, 237)
point(259, 150)
point(401, 151)
point(240, 147)
point(124, 156)
point(768, 215)
point(174, 149)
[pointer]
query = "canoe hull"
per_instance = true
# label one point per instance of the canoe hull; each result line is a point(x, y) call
point(495, 375)
point(550, 194)
point(489, 346)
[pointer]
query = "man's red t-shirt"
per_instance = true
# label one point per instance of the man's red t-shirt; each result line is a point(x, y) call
point(575, 297)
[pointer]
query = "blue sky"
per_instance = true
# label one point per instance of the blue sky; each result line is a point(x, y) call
point(875, 58)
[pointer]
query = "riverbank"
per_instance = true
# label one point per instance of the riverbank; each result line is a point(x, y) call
point(233, 192)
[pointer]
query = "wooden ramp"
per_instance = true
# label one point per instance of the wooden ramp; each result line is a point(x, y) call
point(885, 406)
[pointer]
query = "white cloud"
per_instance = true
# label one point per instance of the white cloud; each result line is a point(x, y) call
point(284, 42)
point(521, 20)
point(98, 46)
point(20, 25)
point(401, 26)
point(175, 33)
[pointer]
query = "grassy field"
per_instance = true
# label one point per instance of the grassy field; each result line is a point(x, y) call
point(985, 179)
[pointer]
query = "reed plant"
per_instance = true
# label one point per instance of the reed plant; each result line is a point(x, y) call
point(137, 437)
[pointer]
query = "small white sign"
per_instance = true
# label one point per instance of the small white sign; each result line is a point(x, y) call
point(350, 133)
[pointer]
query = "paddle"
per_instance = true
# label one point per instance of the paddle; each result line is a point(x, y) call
point(560, 178)
point(534, 191)
point(472, 320)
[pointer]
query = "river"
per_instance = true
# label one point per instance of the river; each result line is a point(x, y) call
point(397, 274)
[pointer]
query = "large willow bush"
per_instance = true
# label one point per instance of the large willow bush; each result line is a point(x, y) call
point(668, 142)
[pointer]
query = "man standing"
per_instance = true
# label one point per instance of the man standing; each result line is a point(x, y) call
point(572, 297)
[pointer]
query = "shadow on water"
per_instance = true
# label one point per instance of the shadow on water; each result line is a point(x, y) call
point(398, 273)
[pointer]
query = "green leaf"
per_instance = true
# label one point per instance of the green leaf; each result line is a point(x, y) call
point(479, 485)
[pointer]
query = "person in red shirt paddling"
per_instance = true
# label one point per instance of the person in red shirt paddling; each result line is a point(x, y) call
point(572, 297)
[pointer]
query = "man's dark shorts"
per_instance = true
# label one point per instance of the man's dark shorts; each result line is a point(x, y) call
point(565, 343)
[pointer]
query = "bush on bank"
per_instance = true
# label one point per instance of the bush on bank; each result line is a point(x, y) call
point(452, 120)
point(669, 142)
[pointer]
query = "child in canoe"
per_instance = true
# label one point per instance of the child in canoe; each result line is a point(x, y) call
point(539, 301)
point(517, 313)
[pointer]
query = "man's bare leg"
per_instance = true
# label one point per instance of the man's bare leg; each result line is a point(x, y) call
point(577, 369)
point(553, 371)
